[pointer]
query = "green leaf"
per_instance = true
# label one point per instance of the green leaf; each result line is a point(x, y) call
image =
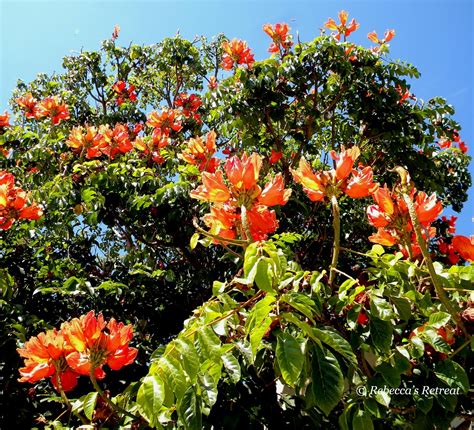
point(259, 312)
point(381, 308)
point(210, 343)
point(301, 303)
point(381, 333)
point(362, 421)
point(328, 382)
point(452, 374)
point(336, 342)
point(439, 319)
point(150, 397)
point(189, 410)
point(403, 307)
point(90, 401)
point(257, 333)
point(232, 366)
point(194, 241)
point(264, 275)
point(250, 260)
point(189, 357)
point(290, 357)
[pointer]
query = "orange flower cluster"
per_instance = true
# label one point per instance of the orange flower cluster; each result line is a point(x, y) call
point(200, 153)
point(4, 120)
point(404, 94)
point(391, 218)
point(460, 246)
point(236, 52)
point(82, 346)
point(189, 105)
point(372, 36)
point(94, 142)
point(343, 28)
point(163, 123)
point(49, 107)
point(13, 202)
point(123, 93)
point(241, 195)
point(280, 37)
point(356, 183)
point(446, 143)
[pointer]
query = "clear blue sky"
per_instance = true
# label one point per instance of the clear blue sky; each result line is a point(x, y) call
point(435, 35)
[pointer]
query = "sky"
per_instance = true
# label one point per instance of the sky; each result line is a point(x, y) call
point(434, 35)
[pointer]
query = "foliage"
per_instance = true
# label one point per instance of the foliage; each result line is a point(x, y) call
point(290, 317)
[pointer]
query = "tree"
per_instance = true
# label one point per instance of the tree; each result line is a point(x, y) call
point(142, 176)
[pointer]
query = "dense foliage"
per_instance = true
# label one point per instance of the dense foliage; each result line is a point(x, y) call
point(225, 208)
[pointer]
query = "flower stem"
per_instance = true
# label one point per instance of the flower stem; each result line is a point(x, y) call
point(66, 400)
point(336, 223)
point(429, 263)
point(107, 400)
point(245, 224)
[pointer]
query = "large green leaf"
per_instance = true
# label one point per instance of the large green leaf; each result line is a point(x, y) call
point(327, 380)
point(189, 410)
point(90, 401)
point(452, 374)
point(290, 357)
point(337, 343)
point(381, 333)
point(150, 397)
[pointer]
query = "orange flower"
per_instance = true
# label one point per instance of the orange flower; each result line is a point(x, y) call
point(236, 52)
point(89, 143)
point(262, 222)
point(201, 153)
point(123, 93)
point(29, 105)
point(404, 94)
point(275, 156)
point(165, 122)
point(13, 202)
point(4, 120)
point(189, 105)
point(361, 183)
point(243, 173)
point(241, 194)
point(222, 221)
point(384, 238)
point(52, 108)
point(44, 357)
point(389, 34)
point(96, 343)
point(279, 35)
point(345, 160)
point(274, 193)
point(427, 208)
point(313, 185)
point(342, 28)
point(212, 85)
point(116, 32)
point(383, 198)
point(336, 181)
point(377, 217)
point(212, 189)
point(464, 246)
point(115, 141)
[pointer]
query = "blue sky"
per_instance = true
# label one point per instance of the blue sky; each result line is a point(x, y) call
point(435, 35)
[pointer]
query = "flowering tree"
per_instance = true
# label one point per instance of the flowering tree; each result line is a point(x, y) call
point(271, 230)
